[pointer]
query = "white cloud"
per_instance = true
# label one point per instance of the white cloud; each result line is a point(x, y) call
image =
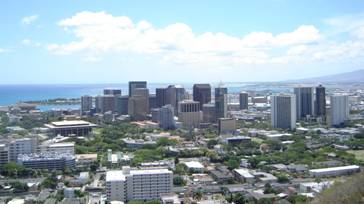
point(29, 19)
point(26, 41)
point(100, 32)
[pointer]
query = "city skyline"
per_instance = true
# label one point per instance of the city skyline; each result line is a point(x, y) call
point(116, 42)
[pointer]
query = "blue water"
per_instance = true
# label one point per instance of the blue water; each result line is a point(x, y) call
point(11, 94)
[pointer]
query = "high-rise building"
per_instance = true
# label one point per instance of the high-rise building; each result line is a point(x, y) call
point(152, 101)
point(189, 113)
point(147, 184)
point(226, 125)
point(208, 113)
point(283, 111)
point(122, 105)
point(339, 111)
point(86, 104)
point(175, 94)
point(136, 85)
point(160, 97)
point(243, 100)
point(202, 93)
point(221, 102)
point(115, 92)
point(138, 105)
point(4, 154)
point(304, 102)
point(166, 117)
point(105, 103)
point(320, 105)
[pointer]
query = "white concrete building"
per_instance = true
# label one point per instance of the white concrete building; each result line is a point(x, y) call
point(127, 184)
point(339, 111)
point(244, 175)
point(334, 171)
point(61, 148)
point(194, 166)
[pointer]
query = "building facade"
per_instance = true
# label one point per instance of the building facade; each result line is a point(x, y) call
point(243, 100)
point(190, 114)
point(304, 102)
point(136, 85)
point(202, 93)
point(221, 102)
point(127, 184)
point(320, 103)
point(283, 111)
point(339, 111)
point(86, 104)
point(166, 117)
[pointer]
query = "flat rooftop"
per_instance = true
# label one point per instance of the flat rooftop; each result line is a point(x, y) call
point(118, 175)
point(69, 123)
point(339, 168)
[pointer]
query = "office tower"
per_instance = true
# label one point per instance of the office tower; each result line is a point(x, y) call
point(208, 113)
point(138, 105)
point(122, 105)
point(283, 111)
point(320, 107)
point(304, 102)
point(161, 96)
point(136, 85)
point(155, 115)
point(152, 101)
point(115, 92)
point(86, 104)
point(243, 100)
point(166, 117)
point(202, 93)
point(175, 94)
point(339, 111)
point(189, 113)
point(226, 125)
point(147, 184)
point(21, 146)
point(221, 102)
point(105, 103)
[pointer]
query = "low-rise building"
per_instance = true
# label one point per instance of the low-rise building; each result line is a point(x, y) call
point(49, 160)
point(334, 171)
point(243, 175)
point(194, 166)
point(71, 127)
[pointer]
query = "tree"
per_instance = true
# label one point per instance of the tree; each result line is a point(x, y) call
point(239, 199)
point(179, 181)
point(282, 178)
point(50, 182)
point(268, 189)
point(233, 163)
point(19, 187)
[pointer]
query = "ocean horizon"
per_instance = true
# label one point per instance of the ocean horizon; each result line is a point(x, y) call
point(14, 93)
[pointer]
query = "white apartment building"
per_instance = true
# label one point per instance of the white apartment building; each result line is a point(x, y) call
point(21, 146)
point(61, 148)
point(148, 184)
point(339, 111)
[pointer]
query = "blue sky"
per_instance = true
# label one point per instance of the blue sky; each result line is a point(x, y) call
point(178, 41)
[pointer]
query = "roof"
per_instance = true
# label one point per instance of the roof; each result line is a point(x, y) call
point(65, 144)
point(70, 123)
point(194, 164)
point(339, 168)
point(118, 175)
point(244, 173)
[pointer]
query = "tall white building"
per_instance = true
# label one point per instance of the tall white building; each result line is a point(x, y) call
point(166, 117)
point(283, 111)
point(149, 184)
point(60, 148)
point(339, 111)
point(86, 104)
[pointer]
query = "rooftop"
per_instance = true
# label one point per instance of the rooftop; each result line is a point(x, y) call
point(339, 168)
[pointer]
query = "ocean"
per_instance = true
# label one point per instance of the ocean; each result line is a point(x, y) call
point(11, 94)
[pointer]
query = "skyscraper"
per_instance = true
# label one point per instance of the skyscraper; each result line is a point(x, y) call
point(208, 113)
point(110, 91)
point(122, 105)
point(283, 111)
point(189, 113)
point(135, 85)
point(320, 105)
point(138, 105)
point(202, 93)
point(152, 101)
point(86, 104)
point(166, 117)
point(105, 103)
point(243, 100)
point(304, 102)
point(175, 94)
point(221, 102)
point(339, 111)
point(160, 97)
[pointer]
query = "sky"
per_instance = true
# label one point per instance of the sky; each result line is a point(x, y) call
point(115, 41)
